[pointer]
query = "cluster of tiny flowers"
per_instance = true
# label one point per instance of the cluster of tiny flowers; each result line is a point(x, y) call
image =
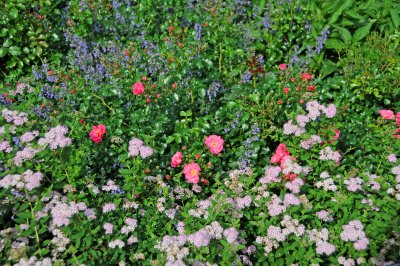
point(346, 262)
point(62, 212)
point(241, 203)
point(314, 110)
point(26, 154)
point(108, 207)
point(55, 138)
point(116, 243)
point(395, 191)
point(289, 128)
point(136, 147)
point(309, 143)
point(60, 241)
point(292, 226)
point(328, 154)
point(17, 118)
point(392, 158)
point(5, 146)
point(29, 136)
point(130, 226)
point(28, 180)
point(276, 206)
point(321, 240)
point(112, 187)
point(295, 185)
point(269, 244)
point(271, 175)
point(201, 210)
point(324, 216)
point(354, 232)
point(354, 184)
point(231, 234)
point(33, 261)
point(289, 166)
point(369, 202)
point(160, 204)
point(372, 182)
point(108, 227)
point(327, 184)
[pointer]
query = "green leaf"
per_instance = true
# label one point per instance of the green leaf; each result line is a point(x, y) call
point(14, 12)
point(361, 33)
point(335, 44)
point(395, 18)
point(3, 51)
point(340, 10)
point(345, 34)
point(15, 50)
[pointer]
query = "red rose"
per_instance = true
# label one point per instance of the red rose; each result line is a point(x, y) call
point(138, 88)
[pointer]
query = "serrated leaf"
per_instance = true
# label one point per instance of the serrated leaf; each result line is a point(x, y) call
point(362, 32)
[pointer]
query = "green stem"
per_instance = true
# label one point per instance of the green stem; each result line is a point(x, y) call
point(220, 57)
point(36, 231)
point(105, 104)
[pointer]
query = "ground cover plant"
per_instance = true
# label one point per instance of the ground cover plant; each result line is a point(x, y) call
point(201, 132)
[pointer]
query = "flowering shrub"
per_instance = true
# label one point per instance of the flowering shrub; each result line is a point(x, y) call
point(223, 151)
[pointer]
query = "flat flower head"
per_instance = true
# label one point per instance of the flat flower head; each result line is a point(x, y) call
point(387, 114)
point(138, 88)
point(191, 172)
point(215, 143)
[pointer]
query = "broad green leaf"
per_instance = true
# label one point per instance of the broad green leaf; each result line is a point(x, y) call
point(345, 34)
point(3, 51)
point(15, 50)
point(395, 17)
point(339, 11)
point(14, 12)
point(361, 33)
point(335, 44)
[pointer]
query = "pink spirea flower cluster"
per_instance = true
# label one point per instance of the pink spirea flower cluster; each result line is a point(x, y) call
point(192, 172)
point(214, 143)
point(108, 227)
point(321, 240)
point(17, 118)
point(5, 146)
point(55, 138)
point(26, 154)
point(137, 147)
point(309, 143)
point(392, 158)
point(109, 207)
point(130, 226)
point(328, 154)
point(29, 136)
point(354, 232)
point(324, 215)
point(346, 262)
point(354, 184)
point(28, 180)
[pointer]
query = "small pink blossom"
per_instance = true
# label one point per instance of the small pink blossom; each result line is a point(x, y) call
point(282, 67)
point(387, 114)
point(176, 159)
point(215, 143)
point(398, 119)
point(138, 88)
point(191, 172)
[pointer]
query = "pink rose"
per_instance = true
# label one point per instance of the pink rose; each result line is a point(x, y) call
point(215, 143)
point(282, 67)
point(398, 118)
point(138, 88)
point(191, 172)
point(176, 159)
point(337, 134)
point(96, 134)
point(387, 114)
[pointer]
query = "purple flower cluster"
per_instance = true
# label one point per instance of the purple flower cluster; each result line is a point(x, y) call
point(55, 138)
point(109, 207)
point(26, 154)
point(136, 147)
point(17, 118)
point(346, 262)
point(289, 128)
point(271, 175)
point(295, 185)
point(130, 226)
point(354, 232)
point(392, 158)
point(108, 227)
point(28, 180)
